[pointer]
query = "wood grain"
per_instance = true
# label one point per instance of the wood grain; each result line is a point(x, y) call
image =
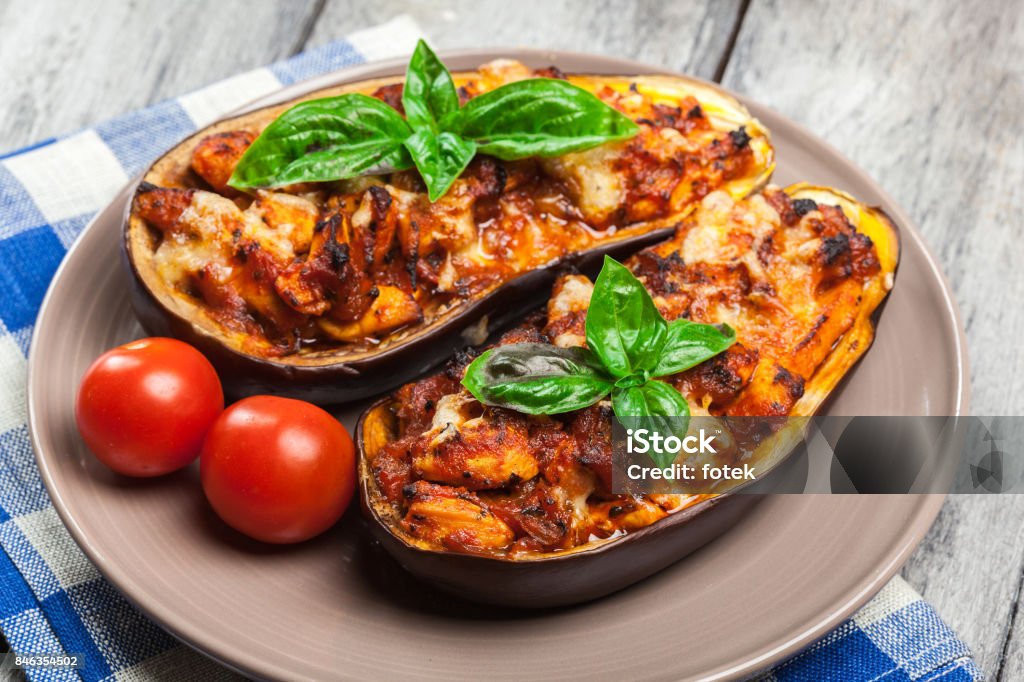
point(687, 36)
point(65, 64)
point(927, 98)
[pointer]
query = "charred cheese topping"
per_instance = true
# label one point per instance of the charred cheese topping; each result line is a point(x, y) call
point(321, 265)
point(792, 277)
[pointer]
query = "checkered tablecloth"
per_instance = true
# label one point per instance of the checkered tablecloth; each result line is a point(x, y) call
point(53, 601)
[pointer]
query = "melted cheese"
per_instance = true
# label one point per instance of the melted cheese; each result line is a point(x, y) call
point(570, 300)
point(449, 417)
point(209, 223)
point(591, 175)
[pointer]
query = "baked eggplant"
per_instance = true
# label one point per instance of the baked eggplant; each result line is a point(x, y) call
point(512, 509)
point(336, 291)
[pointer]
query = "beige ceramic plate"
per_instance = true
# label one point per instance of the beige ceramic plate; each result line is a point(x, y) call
point(338, 608)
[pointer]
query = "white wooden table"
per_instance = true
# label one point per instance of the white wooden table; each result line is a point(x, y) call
point(928, 97)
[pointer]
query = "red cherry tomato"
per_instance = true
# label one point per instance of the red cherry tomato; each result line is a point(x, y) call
point(144, 408)
point(278, 470)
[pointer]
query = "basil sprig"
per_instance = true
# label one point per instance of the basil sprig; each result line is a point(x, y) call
point(538, 378)
point(629, 345)
point(325, 139)
point(349, 135)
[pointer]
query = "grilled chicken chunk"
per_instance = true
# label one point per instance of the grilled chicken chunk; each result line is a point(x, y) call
point(476, 452)
point(216, 156)
point(453, 518)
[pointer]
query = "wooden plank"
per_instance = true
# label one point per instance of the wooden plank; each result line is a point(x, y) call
point(927, 97)
point(687, 36)
point(66, 64)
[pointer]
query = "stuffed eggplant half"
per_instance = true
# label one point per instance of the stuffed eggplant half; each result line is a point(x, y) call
point(334, 290)
point(517, 509)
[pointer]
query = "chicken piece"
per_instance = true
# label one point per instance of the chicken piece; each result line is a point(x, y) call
point(392, 470)
point(665, 277)
point(162, 207)
point(293, 218)
point(332, 278)
point(479, 452)
point(772, 391)
point(392, 308)
point(551, 72)
point(537, 511)
point(231, 257)
point(227, 305)
point(593, 179)
point(548, 436)
point(673, 503)
point(374, 216)
point(215, 157)
point(417, 401)
point(530, 331)
point(255, 253)
point(453, 518)
point(196, 234)
point(592, 430)
point(453, 230)
point(384, 223)
point(672, 162)
point(392, 96)
point(567, 311)
point(716, 382)
point(564, 470)
point(351, 265)
point(213, 221)
point(500, 72)
point(254, 281)
point(310, 286)
point(625, 513)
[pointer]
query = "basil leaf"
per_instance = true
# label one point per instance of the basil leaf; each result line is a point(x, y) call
point(440, 159)
point(537, 378)
point(624, 328)
point(656, 406)
point(538, 117)
point(325, 139)
point(690, 343)
point(429, 93)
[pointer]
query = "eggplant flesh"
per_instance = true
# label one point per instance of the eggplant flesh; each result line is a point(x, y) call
point(343, 372)
point(599, 567)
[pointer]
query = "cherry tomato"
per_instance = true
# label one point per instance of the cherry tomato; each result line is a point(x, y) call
point(144, 408)
point(278, 470)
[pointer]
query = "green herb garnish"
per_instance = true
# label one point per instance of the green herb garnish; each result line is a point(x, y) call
point(350, 135)
point(629, 345)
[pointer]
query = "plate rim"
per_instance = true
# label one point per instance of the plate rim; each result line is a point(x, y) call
point(920, 521)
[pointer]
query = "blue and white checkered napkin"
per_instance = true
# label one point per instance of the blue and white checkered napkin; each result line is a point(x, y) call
point(53, 601)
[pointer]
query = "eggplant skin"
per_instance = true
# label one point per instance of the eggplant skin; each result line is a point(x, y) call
point(345, 372)
point(592, 569)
